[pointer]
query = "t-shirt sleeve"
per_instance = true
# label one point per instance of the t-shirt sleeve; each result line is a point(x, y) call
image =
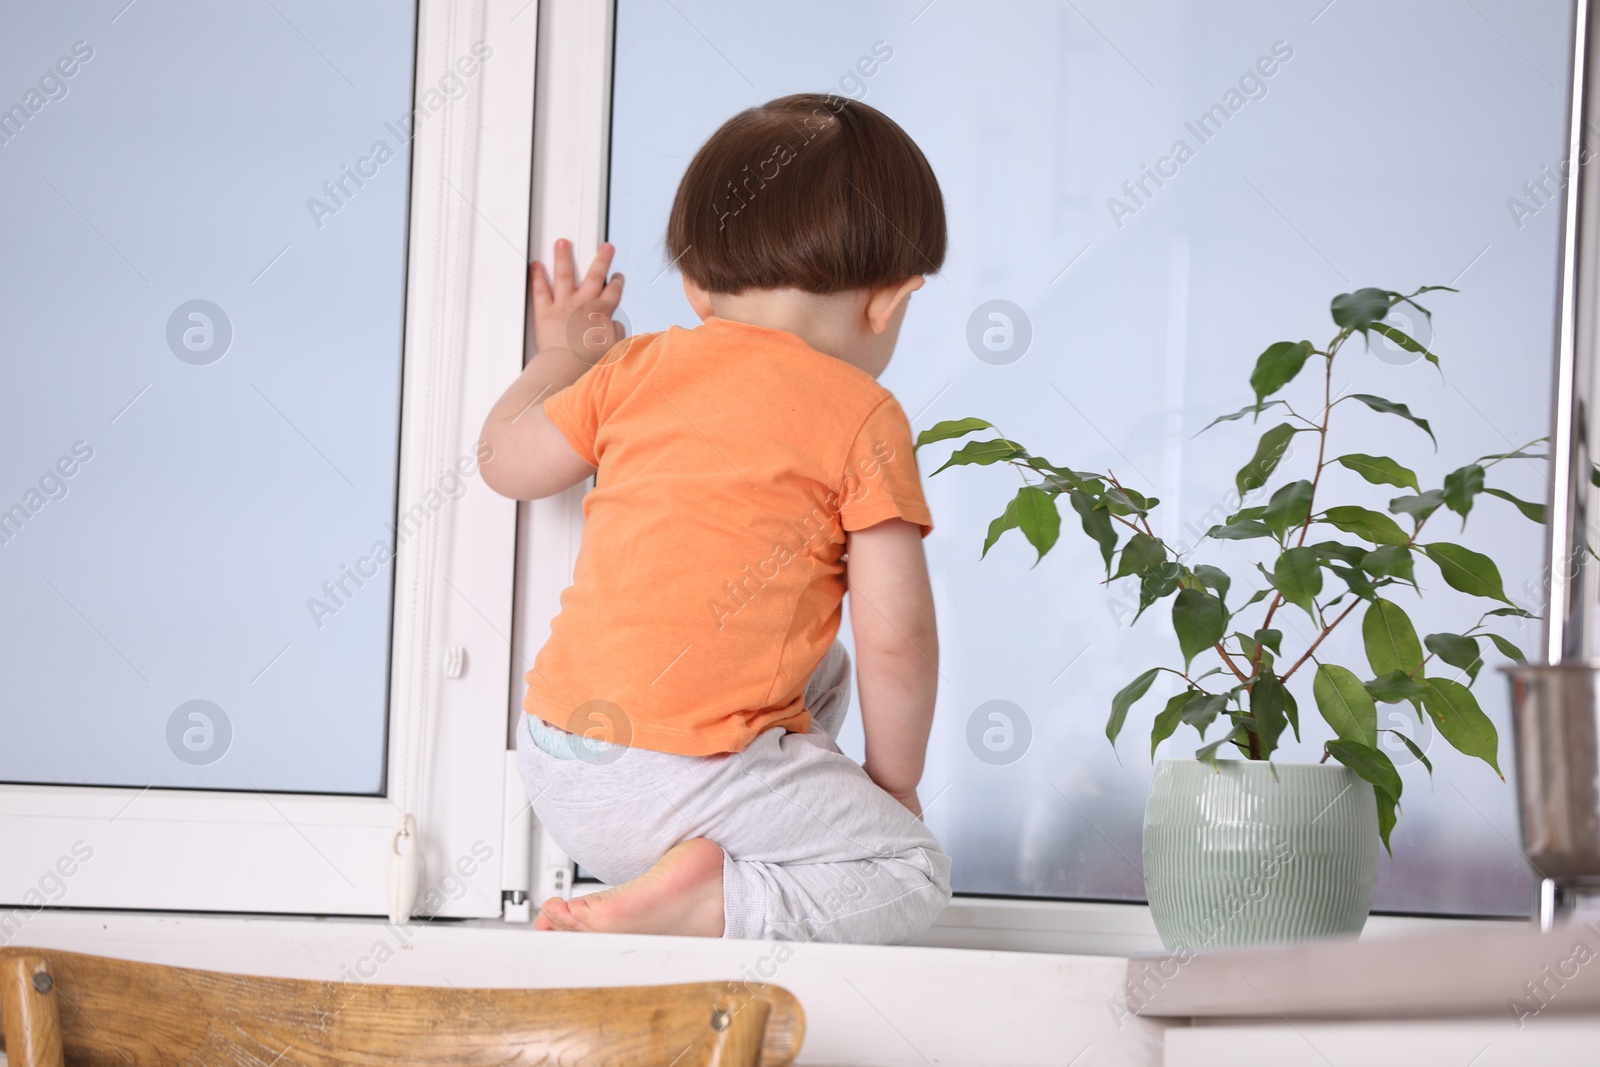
point(580, 408)
point(881, 480)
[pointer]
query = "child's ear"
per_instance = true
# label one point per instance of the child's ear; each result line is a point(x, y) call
point(699, 299)
point(884, 302)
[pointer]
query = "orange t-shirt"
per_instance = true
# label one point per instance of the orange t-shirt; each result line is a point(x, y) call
point(731, 459)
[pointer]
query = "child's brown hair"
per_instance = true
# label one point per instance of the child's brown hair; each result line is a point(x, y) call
point(812, 192)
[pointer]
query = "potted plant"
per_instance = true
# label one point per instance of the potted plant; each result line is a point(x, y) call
point(1245, 849)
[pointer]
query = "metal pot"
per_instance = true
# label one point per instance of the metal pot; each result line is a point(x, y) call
point(1554, 723)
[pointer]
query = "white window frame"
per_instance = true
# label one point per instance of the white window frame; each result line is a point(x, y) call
point(195, 850)
point(571, 165)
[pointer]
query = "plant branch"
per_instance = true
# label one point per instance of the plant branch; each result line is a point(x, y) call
point(1226, 658)
point(1266, 623)
point(1316, 478)
point(1143, 521)
point(1519, 448)
point(1192, 683)
point(1320, 636)
point(1322, 444)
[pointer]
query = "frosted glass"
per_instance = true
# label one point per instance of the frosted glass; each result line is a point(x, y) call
point(1384, 149)
point(199, 390)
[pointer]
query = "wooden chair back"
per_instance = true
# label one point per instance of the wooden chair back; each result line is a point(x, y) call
point(96, 1011)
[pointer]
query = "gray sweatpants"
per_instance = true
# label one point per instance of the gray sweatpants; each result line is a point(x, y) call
point(812, 848)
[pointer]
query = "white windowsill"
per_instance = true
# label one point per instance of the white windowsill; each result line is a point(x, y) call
point(995, 981)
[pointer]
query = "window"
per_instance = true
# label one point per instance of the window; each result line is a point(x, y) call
point(256, 599)
point(196, 479)
point(1393, 155)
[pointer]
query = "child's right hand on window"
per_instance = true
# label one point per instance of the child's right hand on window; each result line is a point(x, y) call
point(522, 453)
point(576, 315)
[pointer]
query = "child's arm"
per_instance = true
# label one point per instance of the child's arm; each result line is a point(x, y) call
point(526, 456)
point(897, 652)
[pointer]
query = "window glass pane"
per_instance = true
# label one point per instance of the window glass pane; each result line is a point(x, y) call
point(202, 281)
point(1323, 150)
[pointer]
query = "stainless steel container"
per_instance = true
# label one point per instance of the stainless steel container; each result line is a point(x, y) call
point(1555, 725)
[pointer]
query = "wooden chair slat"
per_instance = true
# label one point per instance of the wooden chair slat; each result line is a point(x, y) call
point(121, 1013)
point(29, 1017)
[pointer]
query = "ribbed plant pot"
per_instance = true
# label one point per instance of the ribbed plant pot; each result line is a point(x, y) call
point(1247, 852)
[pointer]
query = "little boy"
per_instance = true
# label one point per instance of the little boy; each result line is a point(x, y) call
point(679, 741)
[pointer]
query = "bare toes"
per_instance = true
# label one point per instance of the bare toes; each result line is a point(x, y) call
point(556, 914)
point(578, 912)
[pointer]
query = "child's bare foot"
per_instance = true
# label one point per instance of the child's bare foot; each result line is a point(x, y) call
point(681, 894)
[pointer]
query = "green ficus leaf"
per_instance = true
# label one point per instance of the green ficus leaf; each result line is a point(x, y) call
point(1215, 579)
point(1394, 687)
point(1456, 650)
point(1039, 520)
point(1390, 639)
point(1288, 508)
point(1243, 530)
point(1292, 710)
point(1125, 699)
point(1096, 523)
point(1346, 705)
point(1351, 554)
point(1519, 454)
point(1390, 561)
point(1248, 409)
point(944, 431)
point(1167, 720)
point(1457, 716)
point(1008, 520)
point(1372, 764)
point(1361, 309)
point(1467, 571)
point(1412, 745)
point(1208, 754)
point(1123, 502)
point(1298, 576)
point(982, 453)
point(1269, 453)
point(1157, 582)
point(1199, 620)
point(1140, 553)
point(1419, 507)
point(1460, 486)
point(1390, 407)
point(1507, 649)
point(1276, 367)
point(1202, 710)
point(1528, 508)
point(1379, 470)
point(1269, 707)
point(1355, 580)
point(1369, 525)
point(1404, 340)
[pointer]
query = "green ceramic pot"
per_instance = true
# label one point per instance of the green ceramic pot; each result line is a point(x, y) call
point(1248, 852)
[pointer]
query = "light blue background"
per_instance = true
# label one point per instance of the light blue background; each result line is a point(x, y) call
point(179, 563)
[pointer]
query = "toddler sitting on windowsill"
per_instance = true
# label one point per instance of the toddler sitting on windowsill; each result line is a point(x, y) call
point(679, 741)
